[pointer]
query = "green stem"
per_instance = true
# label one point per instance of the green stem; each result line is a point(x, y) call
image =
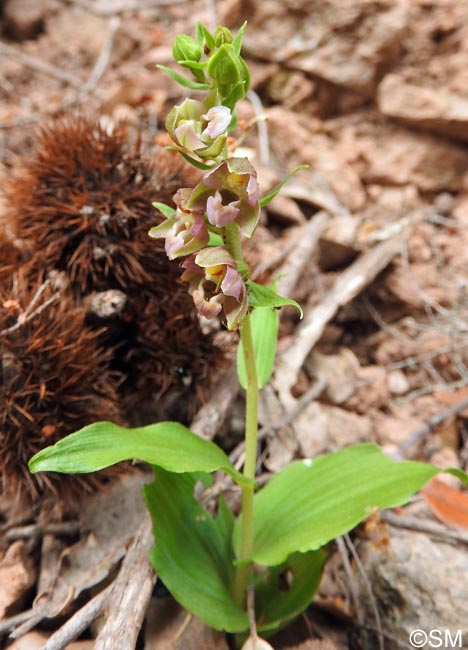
point(233, 242)
point(251, 431)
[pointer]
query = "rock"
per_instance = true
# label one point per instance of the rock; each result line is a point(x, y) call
point(397, 382)
point(371, 390)
point(321, 428)
point(298, 138)
point(17, 577)
point(23, 19)
point(396, 156)
point(339, 371)
point(434, 109)
point(344, 44)
point(418, 584)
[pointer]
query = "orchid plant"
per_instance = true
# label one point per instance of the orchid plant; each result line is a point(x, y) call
point(208, 561)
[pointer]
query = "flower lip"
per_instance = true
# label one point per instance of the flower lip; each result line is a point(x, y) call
point(218, 214)
point(218, 118)
point(215, 283)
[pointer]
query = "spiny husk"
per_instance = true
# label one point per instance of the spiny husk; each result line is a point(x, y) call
point(82, 204)
point(55, 378)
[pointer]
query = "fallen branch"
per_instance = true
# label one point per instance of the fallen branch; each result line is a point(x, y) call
point(429, 527)
point(210, 417)
point(130, 594)
point(79, 621)
point(84, 88)
point(418, 435)
point(113, 7)
point(40, 66)
point(348, 286)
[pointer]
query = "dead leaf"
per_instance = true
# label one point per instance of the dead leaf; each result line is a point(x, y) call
point(108, 523)
point(170, 627)
point(449, 505)
point(17, 576)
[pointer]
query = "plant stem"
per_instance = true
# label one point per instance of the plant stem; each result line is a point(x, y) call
point(233, 241)
point(251, 431)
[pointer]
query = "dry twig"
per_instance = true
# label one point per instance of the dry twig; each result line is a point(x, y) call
point(418, 435)
point(431, 528)
point(130, 595)
point(40, 66)
point(79, 621)
point(368, 586)
point(114, 7)
point(348, 286)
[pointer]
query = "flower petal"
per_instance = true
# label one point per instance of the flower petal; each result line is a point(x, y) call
point(218, 214)
point(218, 118)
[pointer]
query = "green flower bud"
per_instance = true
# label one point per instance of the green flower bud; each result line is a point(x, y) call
point(222, 35)
point(226, 67)
point(186, 49)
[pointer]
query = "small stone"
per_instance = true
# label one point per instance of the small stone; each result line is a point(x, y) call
point(397, 383)
point(435, 109)
point(417, 583)
point(23, 19)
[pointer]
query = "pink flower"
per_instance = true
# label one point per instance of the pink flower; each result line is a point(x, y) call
point(185, 231)
point(218, 214)
point(216, 285)
point(237, 195)
point(218, 119)
point(197, 130)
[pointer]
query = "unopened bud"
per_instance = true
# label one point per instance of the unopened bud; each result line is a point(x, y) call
point(226, 67)
point(186, 49)
point(222, 35)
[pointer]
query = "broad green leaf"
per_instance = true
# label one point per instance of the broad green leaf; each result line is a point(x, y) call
point(285, 591)
point(183, 81)
point(311, 502)
point(237, 42)
point(193, 552)
point(166, 210)
point(269, 197)
point(261, 296)
point(265, 323)
point(167, 444)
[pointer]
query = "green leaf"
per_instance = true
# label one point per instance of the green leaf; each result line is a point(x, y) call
point(265, 323)
point(207, 37)
point(166, 210)
point(199, 33)
point(193, 65)
point(285, 591)
point(261, 296)
point(237, 42)
point(189, 159)
point(167, 444)
point(183, 81)
point(197, 69)
point(269, 197)
point(311, 502)
point(193, 553)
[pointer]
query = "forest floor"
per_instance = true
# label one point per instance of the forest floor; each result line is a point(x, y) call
point(373, 96)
